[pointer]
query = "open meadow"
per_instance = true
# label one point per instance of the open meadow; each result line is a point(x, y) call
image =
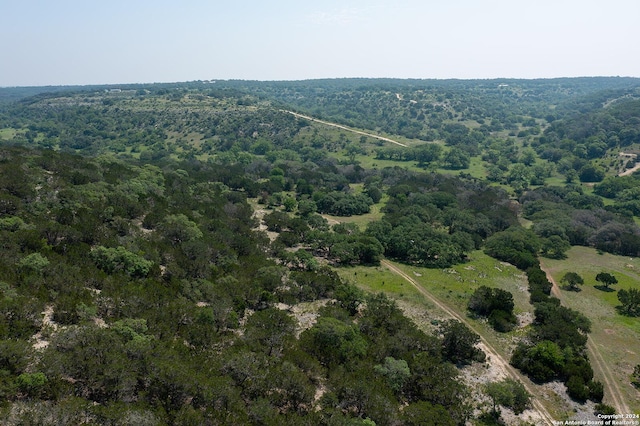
point(616, 337)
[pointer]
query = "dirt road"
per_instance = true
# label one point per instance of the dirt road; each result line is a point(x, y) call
point(598, 363)
point(339, 126)
point(631, 170)
point(496, 358)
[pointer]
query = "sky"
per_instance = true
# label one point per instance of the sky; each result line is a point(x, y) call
point(79, 42)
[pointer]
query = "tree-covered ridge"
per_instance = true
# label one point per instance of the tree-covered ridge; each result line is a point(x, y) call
point(418, 108)
point(159, 304)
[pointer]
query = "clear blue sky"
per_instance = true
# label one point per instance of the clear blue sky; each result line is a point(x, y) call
point(65, 42)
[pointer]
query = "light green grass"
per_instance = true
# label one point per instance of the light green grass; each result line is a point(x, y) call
point(8, 133)
point(456, 284)
point(364, 219)
point(588, 263)
point(380, 279)
point(617, 337)
point(453, 286)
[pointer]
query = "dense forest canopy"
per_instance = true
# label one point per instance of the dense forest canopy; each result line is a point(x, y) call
point(168, 231)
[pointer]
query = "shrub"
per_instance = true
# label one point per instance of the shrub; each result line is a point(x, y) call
point(577, 389)
point(112, 260)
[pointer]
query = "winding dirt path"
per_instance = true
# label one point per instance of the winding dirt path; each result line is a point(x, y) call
point(631, 170)
point(610, 384)
point(496, 358)
point(339, 126)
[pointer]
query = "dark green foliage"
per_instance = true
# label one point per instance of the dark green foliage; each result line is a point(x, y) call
point(502, 321)
point(635, 376)
point(426, 414)
point(591, 173)
point(606, 279)
point(333, 341)
point(596, 391)
point(395, 371)
point(577, 389)
point(604, 409)
point(568, 215)
point(630, 300)
point(456, 159)
point(435, 382)
point(342, 204)
point(515, 245)
point(539, 285)
point(572, 280)
point(561, 325)
point(112, 260)
point(508, 393)
point(270, 330)
point(458, 343)
point(542, 362)
point(496, 304)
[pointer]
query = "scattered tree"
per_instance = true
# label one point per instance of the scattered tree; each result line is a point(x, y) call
point(607, 279)
point(572, 280)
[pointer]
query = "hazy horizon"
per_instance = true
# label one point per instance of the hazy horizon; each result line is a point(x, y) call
point(69, 43)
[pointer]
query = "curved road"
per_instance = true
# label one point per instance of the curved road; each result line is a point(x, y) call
point(495, 356)
point(339, 126)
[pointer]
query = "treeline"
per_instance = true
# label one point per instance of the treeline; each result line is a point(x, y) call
point(434, 221)
point(624, 191)
point(556, 346)
point(566, 216)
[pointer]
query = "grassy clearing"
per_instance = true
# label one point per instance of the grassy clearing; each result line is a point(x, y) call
point(379, 279)
point(8, 133)
point(453, 286)
point(617, 337)
point(364, 219)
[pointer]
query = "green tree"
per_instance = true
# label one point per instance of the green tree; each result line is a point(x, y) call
point(32, 384)
point(577, 389)
point(395, 371)
point(423, 413)
point(572, 280)
point(179, 229)
point(542, 362)
point(630, 300)
point(510, 394)
point(459, 343)
point(333, 341)
point(635, 376)
point(607, 279)
point(456, 159)
point(289, 203)
point(271, 329)
point(34, 262)
point(113, 260)
point(437, 383)
point(591, 173)
point(554, 247)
